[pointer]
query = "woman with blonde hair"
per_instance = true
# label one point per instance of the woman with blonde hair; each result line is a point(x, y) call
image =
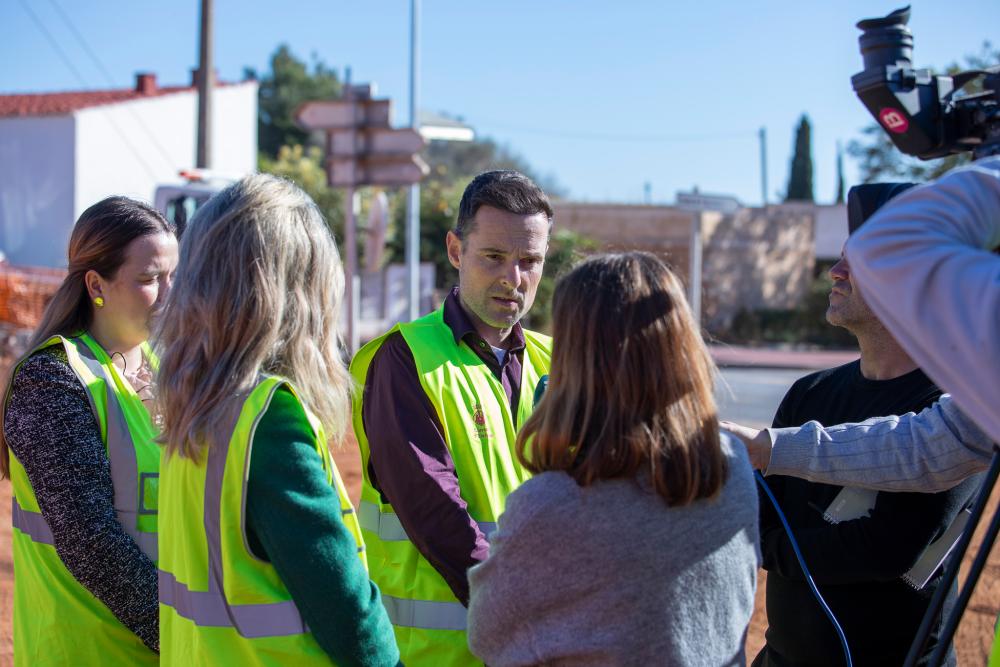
point(79, 447)
point(262, 560)
point(636, 541)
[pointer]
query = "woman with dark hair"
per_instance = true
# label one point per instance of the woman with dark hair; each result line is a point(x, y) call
point(78, 445)
point(636, 541)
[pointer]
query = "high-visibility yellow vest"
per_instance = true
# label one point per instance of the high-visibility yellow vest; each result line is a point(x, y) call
point(56, 620)
point(219, 603)
point(479, 429)
point(995, 651)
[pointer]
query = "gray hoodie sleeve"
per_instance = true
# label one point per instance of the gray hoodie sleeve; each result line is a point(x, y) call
point(924, 266)
point(931, 451)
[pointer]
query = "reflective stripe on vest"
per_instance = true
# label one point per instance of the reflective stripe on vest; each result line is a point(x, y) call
point(387, 526)
point(210, 609)
point(426, 614)
point(31, 523)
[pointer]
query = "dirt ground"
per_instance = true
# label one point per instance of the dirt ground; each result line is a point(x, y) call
point(974, 634)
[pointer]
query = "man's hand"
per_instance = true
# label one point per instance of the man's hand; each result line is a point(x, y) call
point(758, 443)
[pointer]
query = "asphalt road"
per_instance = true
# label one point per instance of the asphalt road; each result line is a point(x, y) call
point(749, 396)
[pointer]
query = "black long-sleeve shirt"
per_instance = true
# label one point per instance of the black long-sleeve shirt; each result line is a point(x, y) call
point(857, 564)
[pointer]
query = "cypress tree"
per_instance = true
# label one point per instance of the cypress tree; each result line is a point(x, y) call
point(840, 175)
point(800, 178)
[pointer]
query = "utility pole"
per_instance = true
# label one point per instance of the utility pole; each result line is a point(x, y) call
point(413, 206)
point(206, 84)
point(763, 165)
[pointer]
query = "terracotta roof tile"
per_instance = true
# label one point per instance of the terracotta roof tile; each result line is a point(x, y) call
point(54, 104)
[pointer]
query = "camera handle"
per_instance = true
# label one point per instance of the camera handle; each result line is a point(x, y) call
point(951, 574)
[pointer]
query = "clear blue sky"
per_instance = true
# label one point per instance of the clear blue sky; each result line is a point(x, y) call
point(605, 96)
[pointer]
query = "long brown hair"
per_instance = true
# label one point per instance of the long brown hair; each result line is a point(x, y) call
point(258, 290)
point(630, 388)
point(99, 242)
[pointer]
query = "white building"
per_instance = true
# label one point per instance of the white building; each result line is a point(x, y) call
point(62, 152)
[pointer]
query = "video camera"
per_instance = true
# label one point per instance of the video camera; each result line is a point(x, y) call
point(924, 114)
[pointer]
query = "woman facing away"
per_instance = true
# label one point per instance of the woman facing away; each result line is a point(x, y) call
point(261, 557)
point(636, 541)
point(79, 447)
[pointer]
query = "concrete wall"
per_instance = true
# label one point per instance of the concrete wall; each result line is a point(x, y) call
point(36, 189)
point(132, 147)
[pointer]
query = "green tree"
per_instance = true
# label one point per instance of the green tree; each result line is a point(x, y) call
point(566, 249)
point(304, 167)
point(439, 200)
point(451, 160)
point(288, 84)
point(800, 176)
point(879, 159)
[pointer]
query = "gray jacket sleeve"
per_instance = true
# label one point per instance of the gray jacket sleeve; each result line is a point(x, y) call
point(924, 265)
point(931, 451)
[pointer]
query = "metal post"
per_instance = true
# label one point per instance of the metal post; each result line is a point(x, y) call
point(413, 203)
point(350, 250)
point(350, 270)
point(206, 83)
point(694, 287)
point(763, 166)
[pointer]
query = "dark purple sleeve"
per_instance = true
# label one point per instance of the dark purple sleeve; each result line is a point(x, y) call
point(411, 466)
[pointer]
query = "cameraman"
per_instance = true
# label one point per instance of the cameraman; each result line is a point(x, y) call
point(925, 267)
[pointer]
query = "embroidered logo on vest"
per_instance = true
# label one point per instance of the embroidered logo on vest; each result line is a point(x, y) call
point(479, 418)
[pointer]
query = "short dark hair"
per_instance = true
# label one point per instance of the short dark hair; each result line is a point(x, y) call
point(504, 189)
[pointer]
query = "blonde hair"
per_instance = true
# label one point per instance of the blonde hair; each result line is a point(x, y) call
point(630, 388)
point(99, 242)
point(258, 290)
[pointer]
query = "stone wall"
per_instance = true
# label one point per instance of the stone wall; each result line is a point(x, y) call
point(755, 258)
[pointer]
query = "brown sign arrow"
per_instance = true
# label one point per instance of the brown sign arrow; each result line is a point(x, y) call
point(342, 114)
point(394, 170)
point(377, 141)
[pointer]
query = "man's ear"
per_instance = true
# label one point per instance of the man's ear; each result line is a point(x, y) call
point(454, 249)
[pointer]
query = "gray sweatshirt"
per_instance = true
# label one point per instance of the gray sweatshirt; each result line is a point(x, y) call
point(610, 575)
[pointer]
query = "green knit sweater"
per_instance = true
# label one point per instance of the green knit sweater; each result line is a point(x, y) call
point(294, 521)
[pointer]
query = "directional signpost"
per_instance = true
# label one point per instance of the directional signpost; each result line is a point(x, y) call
point(361, 150)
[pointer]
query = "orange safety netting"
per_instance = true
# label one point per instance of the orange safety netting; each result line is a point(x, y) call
point(24, 293)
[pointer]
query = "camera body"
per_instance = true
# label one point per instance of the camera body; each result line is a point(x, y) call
point(922, 112)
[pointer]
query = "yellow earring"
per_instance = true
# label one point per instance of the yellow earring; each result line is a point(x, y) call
point(99, 301)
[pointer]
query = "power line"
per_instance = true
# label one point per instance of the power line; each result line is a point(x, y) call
point(612, 137)
point(53, 42)
point(69, 64)
point(111, 81)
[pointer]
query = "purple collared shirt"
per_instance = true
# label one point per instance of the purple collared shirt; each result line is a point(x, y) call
point(409, 462)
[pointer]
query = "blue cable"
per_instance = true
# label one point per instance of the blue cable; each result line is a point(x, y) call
point(805, 570)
